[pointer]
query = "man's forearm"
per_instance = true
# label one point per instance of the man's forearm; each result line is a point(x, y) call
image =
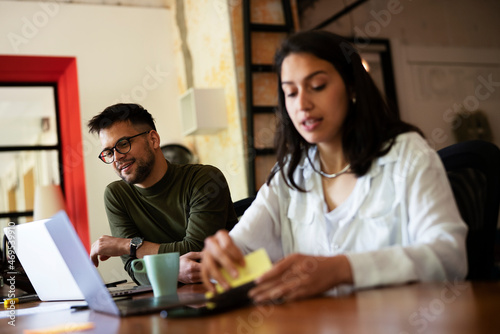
point(147, 248)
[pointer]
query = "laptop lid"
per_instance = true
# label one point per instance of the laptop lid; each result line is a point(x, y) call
point(79, 264)
point(47, 272)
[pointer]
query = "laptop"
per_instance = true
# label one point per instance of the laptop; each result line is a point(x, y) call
point(45, 266)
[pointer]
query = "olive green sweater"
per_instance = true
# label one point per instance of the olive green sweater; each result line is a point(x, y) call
point(190, 203)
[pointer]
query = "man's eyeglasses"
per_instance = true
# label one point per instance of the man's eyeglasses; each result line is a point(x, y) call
point(122, 146)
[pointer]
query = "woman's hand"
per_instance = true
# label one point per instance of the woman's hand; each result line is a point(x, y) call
point(296, 276)
point(220, 252)
point(300, 276)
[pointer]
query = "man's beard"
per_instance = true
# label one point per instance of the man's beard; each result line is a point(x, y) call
point(143, 169)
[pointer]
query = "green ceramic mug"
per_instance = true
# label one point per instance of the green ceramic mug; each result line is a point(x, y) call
point(162, 271)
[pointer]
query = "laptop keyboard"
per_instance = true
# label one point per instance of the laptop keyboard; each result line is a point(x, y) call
point(124, 291)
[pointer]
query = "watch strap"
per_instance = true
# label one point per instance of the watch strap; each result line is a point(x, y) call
point(135, 243)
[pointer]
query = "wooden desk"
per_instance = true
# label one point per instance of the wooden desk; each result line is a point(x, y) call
point(464, 307)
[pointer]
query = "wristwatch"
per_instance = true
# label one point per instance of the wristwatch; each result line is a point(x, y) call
point(135, 244)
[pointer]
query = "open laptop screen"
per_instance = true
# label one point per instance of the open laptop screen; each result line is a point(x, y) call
point(42, 262)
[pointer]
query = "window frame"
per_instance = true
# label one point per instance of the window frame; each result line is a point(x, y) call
point(61, 72)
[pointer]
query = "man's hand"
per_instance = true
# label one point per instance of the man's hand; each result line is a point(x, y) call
point(107, 246)
point(190, 267)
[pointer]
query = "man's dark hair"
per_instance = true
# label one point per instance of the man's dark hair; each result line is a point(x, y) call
point(121, 112)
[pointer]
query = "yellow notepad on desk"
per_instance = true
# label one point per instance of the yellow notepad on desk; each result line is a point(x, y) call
point(256, 264)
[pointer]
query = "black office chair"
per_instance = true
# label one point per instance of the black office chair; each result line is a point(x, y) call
point(178, 154)
point(473, 169)
point(243, 204)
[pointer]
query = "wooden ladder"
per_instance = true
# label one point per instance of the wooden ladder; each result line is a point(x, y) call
point(257, 154)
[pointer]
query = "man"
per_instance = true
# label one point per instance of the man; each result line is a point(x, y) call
point(157, 207)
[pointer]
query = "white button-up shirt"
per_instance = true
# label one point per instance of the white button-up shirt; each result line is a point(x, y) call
point(402, 223)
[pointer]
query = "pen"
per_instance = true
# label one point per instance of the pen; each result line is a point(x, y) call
point(20, 299)
point(114, 284)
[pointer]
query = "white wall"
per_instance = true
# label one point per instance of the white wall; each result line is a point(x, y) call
point(120, 51)
point(213, 66)
point(438, 83)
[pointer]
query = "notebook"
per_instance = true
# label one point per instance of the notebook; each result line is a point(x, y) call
point(45, 266)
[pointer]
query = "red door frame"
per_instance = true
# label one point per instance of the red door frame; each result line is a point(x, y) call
point(63, 72)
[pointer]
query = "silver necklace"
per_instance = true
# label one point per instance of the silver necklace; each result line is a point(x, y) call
point(332, 176)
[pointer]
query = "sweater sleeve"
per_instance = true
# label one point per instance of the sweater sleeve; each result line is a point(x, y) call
point(209, 209)
point(120, 224)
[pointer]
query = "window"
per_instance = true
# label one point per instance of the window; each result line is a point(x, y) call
point(29, 148)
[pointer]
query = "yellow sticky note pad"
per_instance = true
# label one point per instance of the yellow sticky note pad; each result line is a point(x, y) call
point(256, 264)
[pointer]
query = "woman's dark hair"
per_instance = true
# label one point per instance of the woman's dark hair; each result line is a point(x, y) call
point(121, 112)
point(370, 126)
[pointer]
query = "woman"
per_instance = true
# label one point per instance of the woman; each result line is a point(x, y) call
point(357, 198)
